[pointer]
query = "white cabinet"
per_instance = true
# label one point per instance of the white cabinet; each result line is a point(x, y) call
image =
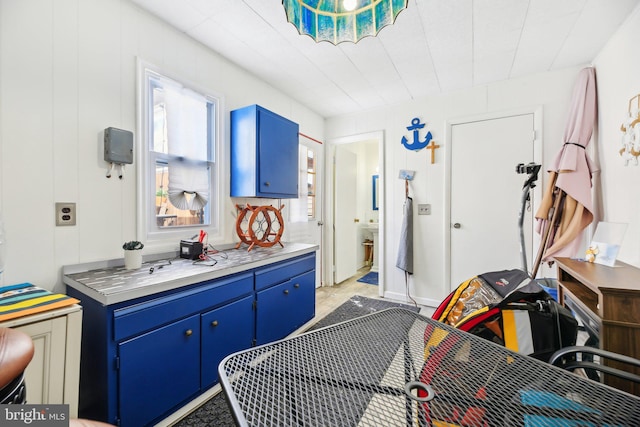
point(53, 374)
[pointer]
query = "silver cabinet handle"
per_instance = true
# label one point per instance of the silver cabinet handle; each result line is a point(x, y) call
point(457, 225)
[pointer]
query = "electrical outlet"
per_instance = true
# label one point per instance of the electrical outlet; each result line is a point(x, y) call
point(65, 214)
point(424, 209)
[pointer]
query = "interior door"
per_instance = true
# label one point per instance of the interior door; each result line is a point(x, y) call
point(345, 219)
point(486, 195)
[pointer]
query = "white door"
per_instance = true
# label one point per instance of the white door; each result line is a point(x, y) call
point(345, 219)
point(486, 195)
point(306, 212)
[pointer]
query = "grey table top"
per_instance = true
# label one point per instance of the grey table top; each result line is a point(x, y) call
point(109, 282)
point(398, 368)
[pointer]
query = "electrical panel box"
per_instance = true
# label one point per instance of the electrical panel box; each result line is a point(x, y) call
point(118, 146)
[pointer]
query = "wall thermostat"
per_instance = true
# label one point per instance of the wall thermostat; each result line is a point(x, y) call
point(118, 146)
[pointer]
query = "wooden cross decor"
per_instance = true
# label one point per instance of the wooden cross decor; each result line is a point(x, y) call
point(433, 146)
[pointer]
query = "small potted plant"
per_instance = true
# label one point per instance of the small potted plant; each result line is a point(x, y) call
point(132, 254)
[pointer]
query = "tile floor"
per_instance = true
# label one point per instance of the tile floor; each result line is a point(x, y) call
point(328, 298)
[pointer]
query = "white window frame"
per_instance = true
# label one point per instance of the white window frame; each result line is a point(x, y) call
point(147, 229)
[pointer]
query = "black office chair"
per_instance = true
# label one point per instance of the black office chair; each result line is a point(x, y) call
point(16, 351)
point(592, 359)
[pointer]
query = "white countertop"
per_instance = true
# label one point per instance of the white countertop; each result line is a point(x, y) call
point(108, 282)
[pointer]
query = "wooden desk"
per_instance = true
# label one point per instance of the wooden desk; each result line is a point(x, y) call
point(608, 299)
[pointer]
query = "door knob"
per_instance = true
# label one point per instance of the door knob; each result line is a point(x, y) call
point(356, 220)
point(457, 225)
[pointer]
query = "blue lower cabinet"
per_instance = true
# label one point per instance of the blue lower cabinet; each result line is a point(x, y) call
point(283, 308)
point(156, 371)
point(224, 331)
point(144, 358)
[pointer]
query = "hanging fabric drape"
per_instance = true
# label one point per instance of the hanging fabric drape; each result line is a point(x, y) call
point(567, 197)
point(188, 158)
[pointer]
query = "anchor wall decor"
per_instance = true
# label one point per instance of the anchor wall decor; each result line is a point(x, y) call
point(416, 144)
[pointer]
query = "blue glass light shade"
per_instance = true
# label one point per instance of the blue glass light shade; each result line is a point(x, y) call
point(328, 20)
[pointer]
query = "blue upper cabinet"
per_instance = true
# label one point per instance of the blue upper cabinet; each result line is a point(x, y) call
point(264, 154)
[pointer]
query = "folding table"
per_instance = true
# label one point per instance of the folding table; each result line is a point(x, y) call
point(397, 367)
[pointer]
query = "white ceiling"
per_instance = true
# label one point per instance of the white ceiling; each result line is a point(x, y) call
point(435, 46)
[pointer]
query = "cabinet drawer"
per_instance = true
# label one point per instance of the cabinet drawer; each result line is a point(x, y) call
point(148, 315)
point(279, 273)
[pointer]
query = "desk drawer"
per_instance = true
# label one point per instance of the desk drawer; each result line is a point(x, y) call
point(145, 316)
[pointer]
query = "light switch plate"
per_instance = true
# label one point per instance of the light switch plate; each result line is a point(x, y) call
point(424, 209)
point(65, 214)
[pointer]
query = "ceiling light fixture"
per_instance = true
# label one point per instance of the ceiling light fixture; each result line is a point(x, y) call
point(349, 5)
point(338, 21)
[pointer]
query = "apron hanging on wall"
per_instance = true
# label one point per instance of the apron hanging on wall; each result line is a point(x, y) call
point(405, 251)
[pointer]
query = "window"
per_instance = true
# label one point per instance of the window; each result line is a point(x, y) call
point(304, 207)
point(311, 184)
point(180, 129)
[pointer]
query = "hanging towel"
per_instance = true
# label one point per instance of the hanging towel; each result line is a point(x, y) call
point(405, 252)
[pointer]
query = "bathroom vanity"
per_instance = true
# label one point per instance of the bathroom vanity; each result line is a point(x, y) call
point(152, 338)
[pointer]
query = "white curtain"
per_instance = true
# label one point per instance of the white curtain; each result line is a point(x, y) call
point(187, 135)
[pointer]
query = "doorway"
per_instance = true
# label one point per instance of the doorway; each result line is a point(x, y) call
point(485, 192)
point(344, 250)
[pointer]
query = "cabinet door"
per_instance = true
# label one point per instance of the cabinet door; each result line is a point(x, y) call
point(277, 155)
point(225, 330)
point(158, 371)
point(283, 308)
point(273, 320)
point(303, 299)
point(44, 375)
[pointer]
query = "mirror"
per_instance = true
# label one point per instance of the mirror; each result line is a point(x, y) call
point(375, 192)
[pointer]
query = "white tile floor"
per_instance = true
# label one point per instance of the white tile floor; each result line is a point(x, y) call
point(328, 298)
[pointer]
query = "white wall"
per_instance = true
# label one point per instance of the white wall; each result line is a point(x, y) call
point(618, 77)
point(550, 90)
point(67, 72)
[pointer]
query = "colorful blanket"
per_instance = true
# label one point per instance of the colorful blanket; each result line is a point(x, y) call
point(24, 299)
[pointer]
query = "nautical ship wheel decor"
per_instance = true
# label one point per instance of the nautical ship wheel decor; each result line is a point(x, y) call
point(259, 226)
